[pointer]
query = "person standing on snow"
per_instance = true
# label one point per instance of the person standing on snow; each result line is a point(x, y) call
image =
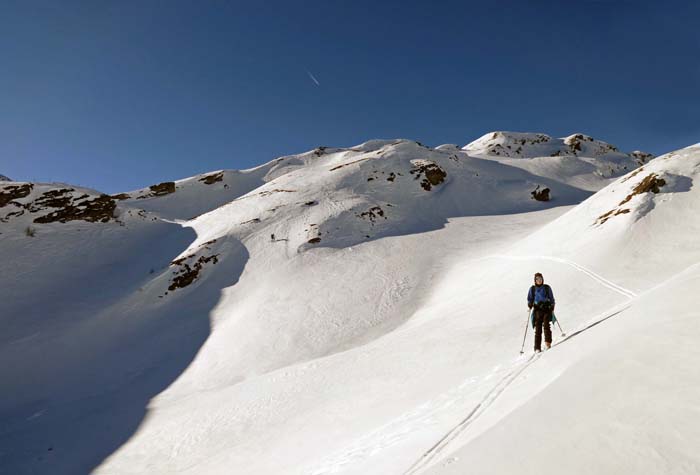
point(541, 297)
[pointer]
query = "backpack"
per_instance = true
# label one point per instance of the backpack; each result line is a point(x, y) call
point(547, 304)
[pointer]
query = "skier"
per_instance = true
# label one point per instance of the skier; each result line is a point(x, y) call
point(541, 297)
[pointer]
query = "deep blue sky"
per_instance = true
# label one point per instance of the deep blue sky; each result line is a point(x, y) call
point(118, 95)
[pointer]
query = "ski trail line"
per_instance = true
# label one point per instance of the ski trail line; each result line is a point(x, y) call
point(602, 280)
point(491, 397)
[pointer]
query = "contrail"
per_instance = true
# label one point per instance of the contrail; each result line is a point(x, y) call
point(313, 78)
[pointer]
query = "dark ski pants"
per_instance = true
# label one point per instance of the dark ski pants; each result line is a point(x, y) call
point(542, 318)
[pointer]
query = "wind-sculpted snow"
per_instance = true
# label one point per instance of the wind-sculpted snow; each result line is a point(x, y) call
point(343, 310)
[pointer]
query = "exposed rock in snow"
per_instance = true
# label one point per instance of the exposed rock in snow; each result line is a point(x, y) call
point(578, 159)
point(50, 203)
point(642, 157)
point(10, 193)
point(514, 144)
point(540, 194)
point(529, 145)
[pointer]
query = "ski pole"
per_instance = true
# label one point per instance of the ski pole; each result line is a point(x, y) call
point(562, 331)
point(527, 322)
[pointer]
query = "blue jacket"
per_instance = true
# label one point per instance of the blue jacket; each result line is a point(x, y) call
point(538, 294)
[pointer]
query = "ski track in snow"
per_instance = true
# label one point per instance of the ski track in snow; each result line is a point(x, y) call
point(503, 384)
point(425, 414)
point(484, 404)
point(396, 430)
point(493, 395)
point(602, 280)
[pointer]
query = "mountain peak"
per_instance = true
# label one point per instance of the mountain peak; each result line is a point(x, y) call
point(505, 144)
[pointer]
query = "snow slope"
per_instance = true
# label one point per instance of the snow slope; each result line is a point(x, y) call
point(338, 311)
point(338, 200)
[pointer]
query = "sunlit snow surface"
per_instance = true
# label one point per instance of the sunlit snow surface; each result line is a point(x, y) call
point(360, 310)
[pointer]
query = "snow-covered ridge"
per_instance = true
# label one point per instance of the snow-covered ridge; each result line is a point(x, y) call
point(578, 159)
point(4, 178)
point(528, 145)
point(380, 173)
point(190, 197)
